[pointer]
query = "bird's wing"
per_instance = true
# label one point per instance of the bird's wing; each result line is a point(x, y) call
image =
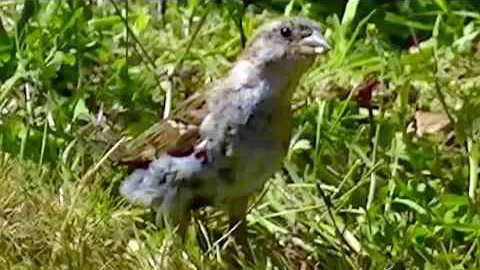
point(176, 135)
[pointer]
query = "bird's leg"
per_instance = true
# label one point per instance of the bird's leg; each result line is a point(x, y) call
point(237, 211)
point(160, 221)
point(183, 224)
point(180, 222)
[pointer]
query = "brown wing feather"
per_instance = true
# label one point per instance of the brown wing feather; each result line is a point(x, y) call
point(176, 135)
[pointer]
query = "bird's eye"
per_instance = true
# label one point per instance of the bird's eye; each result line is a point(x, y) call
point(285, 31)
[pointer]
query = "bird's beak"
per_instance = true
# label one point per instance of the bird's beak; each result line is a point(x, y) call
point(314, 44)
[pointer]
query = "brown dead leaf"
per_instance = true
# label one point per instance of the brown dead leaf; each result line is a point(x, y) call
point(431, 123)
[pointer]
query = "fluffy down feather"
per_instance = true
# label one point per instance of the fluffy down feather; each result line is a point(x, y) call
point(160, 185)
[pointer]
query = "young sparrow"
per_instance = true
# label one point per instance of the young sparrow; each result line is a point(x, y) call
point(219, 147)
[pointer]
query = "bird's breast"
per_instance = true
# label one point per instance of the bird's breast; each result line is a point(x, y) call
point(253, 147)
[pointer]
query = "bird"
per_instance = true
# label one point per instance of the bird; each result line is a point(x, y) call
point(220, 146)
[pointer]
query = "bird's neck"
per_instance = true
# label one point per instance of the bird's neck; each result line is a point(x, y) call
point(280, 78)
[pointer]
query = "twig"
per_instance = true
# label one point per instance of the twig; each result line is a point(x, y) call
point(179, 63)
point(439, 92)
point(328, 203)
point(144, 54)
point(438, 89)
point(469, 253)
point(132, 34)
point(84, 179)
point(239, 22)
point(3, 32)
point(127, 41)
point(473, 169)
point(30, 117)
point(373, 178)
point(163, 9)
point(102, 160)
point(44, 141)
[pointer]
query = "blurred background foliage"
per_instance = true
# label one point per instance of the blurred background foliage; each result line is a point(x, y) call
point(382, 171)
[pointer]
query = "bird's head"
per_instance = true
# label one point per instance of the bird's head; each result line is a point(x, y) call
point(290, 41)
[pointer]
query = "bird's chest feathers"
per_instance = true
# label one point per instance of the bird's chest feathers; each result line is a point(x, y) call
point(249, 125)
point(246, 136)
point(266, 119)
point(248, 129)
point(251, 113)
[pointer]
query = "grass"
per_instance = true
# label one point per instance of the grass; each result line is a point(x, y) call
point(361, 188)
